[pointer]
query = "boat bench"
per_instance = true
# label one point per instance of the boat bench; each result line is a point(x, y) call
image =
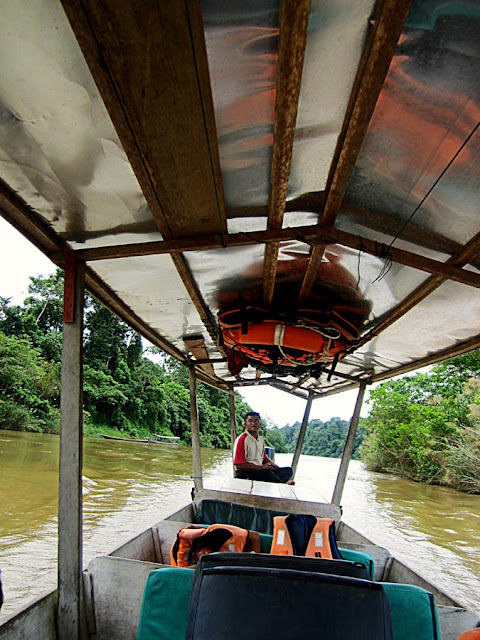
point(166, 600)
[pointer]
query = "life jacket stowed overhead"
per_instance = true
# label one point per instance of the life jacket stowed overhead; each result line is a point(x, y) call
point(314, 336)
point(321, 542)
point(180, 552)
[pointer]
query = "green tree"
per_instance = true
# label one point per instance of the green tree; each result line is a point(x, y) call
point(24, 379)
point(423, 426)
point(106, 338)
point(122, 388)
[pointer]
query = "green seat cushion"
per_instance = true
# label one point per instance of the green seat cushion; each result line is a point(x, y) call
point(358, 556)
point(413, 611)
point(265, 542)
point(165, 604)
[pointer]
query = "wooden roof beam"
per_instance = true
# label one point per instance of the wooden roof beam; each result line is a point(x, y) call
point(313, 235)
point(20, 216)
point(294, 15)
point(150, 64)
point(373, 68)
point(195, 295)
point(414, 233)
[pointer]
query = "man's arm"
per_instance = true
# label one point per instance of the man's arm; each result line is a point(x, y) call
point(248, 466)
point(267, 461)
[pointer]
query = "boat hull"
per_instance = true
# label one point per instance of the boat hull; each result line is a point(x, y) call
point(114, 584)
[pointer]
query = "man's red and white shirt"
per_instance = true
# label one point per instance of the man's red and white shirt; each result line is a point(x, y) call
point(249, 449)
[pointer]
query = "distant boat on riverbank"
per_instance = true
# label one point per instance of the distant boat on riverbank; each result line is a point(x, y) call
point(156, 440)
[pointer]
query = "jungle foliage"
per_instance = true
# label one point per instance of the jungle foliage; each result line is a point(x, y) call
point(426, 427)
point(123, 389)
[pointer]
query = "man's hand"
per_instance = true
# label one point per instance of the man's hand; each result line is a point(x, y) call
point(268, 465)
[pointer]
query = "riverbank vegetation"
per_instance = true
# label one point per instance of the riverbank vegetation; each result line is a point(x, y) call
point(426, 427)
point(125, 392)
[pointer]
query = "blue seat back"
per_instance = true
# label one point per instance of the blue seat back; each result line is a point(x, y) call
point(167, 595)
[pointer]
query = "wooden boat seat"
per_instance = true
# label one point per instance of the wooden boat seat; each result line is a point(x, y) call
point(167, 530)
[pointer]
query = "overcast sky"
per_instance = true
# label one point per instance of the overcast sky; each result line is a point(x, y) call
point(19, 260)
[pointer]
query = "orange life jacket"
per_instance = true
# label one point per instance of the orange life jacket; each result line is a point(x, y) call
point(180, 551)
point(471, 634)
point(314, 337)
point(318, 544)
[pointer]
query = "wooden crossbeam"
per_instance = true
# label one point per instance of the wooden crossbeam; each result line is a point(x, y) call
point(196, 346)
point(20, 216)
point(195, 295)
point(463, 257)
point(149, 63)
point(313, 235)
point(450, 352)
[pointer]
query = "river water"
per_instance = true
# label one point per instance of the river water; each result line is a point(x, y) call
point(130, 486)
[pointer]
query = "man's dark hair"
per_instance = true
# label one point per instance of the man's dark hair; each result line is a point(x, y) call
point(251, 413)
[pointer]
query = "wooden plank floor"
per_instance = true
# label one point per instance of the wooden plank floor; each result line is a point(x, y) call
point(251, 487)
point(265, 489)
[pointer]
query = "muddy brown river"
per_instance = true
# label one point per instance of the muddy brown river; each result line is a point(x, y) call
point(130, 486)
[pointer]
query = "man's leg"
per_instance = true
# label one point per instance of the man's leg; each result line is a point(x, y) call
point(283, 473)
point(263, 475)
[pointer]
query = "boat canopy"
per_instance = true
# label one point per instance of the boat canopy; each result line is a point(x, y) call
point(255, 157)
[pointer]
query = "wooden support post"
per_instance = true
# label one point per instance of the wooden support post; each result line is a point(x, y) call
point(194, 426)
point(233, 422)
point(348, 449)
point(70, 565)
point(301, 435)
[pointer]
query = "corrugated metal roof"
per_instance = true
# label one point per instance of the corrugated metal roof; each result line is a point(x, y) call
point(207, 156)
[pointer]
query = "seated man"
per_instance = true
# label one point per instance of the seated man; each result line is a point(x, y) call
point(250, 459)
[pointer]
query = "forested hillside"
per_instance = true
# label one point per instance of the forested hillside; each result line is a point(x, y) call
point(325, 439)
point(123, 389)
